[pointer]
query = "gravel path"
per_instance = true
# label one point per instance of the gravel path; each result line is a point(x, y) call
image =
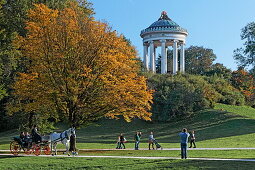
point(169, 149)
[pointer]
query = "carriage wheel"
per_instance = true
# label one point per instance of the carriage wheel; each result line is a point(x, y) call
point(46, 150)
point(37, 149)
point(28, 150)
point(15, 148)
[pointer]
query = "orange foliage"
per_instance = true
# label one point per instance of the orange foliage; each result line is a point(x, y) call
point(243, 81)
point(80, 69)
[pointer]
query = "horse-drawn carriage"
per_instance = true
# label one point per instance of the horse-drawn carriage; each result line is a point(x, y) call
point(29, 147)
point(46, 144)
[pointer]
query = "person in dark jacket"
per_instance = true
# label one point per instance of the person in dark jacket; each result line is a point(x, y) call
point(36, 137)
point(21, 137)
point(27, 138)
point(73, 148)
point(121, 140)
point(192, 140)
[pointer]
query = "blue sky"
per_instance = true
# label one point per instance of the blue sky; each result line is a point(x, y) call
point(214, 24)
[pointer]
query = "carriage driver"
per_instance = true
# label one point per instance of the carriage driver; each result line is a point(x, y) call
point(35, 135)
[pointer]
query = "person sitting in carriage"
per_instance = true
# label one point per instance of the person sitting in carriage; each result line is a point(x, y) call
point(36, 137)
point(21, 138)
point(27, 135)
point(27, 138)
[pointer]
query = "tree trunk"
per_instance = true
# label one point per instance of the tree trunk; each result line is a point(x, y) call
point(30, 120)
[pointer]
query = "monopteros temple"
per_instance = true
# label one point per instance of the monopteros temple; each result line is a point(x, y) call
point(165, 33)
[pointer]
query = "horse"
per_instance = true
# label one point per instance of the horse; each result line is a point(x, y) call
point(63, 137)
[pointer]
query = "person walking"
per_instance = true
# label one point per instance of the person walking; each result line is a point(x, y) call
point(151, 141)
point(121, 140)
point(72, 147)
point(184, 140)
point(192, 140)
point(137, 138)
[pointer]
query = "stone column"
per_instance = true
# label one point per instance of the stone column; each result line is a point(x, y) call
point(166, 59)
point(145, 56)
point(163, 57)
point(182, 59)
point(152, 57)
point(155, 55)
point(175, 57)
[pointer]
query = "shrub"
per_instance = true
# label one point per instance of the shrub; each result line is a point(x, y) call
point(180, 95)
point(229, 94)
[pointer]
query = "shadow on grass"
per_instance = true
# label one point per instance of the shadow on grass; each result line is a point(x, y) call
point(209, 124)
point(199, 164)
point(7, 156)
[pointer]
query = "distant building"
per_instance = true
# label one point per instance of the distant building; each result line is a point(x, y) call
point(164, 33)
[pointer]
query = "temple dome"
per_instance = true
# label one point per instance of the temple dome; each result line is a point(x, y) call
point(165, 24)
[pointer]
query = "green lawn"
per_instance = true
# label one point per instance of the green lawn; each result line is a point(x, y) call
point(235, 154)
point(224, 126)
point(247, 154)
point(7, 162)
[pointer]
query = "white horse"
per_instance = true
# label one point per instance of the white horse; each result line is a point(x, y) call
point(63, 137)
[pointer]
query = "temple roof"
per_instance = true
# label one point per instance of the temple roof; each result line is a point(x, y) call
point(164, 23)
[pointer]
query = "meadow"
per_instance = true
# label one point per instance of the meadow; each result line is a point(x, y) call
point(222, 127)
point(7, 162)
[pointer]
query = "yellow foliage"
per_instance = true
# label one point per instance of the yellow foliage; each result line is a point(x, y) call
point(79, 68)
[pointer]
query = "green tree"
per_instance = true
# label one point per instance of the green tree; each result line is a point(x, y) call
point(246, 56)
point(6, 66)
point(219, 70)
point(180, 95)
point(198, 60)
point(229, 94)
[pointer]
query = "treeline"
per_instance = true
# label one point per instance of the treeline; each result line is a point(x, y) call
point(183, 94)
point(203, 85)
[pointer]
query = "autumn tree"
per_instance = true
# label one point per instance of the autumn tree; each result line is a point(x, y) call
point(79, 70)
point(13, 15)
point(244, 82)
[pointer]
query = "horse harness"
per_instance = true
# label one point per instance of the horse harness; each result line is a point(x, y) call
point(62, 137)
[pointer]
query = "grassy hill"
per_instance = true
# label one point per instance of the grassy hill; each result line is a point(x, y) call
point(223, 126)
